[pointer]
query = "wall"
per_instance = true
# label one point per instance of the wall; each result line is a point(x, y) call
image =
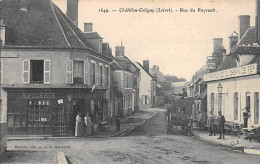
point(241, 85)
point(3, 121)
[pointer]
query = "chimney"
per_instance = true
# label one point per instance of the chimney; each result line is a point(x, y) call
point(257, 21)
point(24, 5)
point(146, 65)
point(120, 50)
point(244, 24)
point(233, 39)
point(72, 10)
point(217, 44)
point(88, 27)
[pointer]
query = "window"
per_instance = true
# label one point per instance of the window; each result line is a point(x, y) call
point(256, 112)
point(212, 102)
point(248, 101)
point(2, 35)
point(220, 102)
point(78, 72)
point(96, 74)
point(101, 75)
point(36, 71)
point(69, 76)
point(107, 76)
point(93, 73)
point(86, 72)
point(235, 106)
point(1, 71)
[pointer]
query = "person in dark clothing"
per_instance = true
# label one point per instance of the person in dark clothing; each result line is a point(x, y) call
point(221, 124)
point(117, 122)
point(211, 124)
point(245, 115)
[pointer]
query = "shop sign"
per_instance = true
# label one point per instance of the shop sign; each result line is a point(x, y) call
point(38, 95)
point(232, 72)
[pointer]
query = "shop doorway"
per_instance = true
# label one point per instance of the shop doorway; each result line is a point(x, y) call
point(77, 107)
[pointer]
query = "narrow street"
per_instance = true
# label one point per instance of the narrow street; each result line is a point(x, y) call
point(149, 144)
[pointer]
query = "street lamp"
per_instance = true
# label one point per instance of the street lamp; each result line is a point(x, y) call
point(220, 88)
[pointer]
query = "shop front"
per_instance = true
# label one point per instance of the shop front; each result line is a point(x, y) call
point(52, 112)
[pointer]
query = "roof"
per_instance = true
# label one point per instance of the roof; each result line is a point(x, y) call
point(167, 85)
point(91, 35)
point(123, 59)
point(43, 25)
point(144, 70)
point(244, 46)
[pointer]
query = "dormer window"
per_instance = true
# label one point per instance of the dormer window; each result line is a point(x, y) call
point(238, 60)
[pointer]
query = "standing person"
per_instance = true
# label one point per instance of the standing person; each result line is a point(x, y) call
point(78, 125)
point(117, 122)
point(211, 124)
point(245, 115)
point(199, 120)
point(221, 124)
point(88, 125)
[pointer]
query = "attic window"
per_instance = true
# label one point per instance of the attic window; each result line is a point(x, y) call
point(238, 61)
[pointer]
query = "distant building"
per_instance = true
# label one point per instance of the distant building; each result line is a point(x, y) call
point(126, 74)
point(147, 94)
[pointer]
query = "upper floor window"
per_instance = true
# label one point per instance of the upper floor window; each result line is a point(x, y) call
point(107, 76)
point(1, 71)
point(36, 71)
point(78, 72)
point(101, 75)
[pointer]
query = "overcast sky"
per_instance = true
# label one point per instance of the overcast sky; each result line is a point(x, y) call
point(177, 42)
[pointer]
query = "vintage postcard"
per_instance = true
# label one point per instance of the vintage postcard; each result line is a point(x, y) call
point(129, 82)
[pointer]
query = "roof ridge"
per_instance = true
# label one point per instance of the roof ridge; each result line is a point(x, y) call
point(59, 22)
point(71, 29)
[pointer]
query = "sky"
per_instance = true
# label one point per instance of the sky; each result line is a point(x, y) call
point(178, 42)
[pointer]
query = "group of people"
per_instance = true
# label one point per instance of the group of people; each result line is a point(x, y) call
point(83, 128)
point(213, 125)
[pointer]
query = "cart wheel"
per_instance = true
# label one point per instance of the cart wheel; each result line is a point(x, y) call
point(258, 140)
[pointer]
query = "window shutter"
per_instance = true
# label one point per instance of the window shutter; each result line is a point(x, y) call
point(96, 74)
point(85, 72)
point(1, 71)
point(26, 71)
point(103, 76)
point(47, 71)
point(69, 78)
point(92, 73)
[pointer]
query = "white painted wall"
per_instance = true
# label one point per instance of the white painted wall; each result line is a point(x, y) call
point(241, 85)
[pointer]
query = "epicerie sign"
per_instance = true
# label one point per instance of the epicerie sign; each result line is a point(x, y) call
point(231, 73)
point(39, 95)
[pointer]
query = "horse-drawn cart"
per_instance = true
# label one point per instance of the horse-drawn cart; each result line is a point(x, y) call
point(179, 114)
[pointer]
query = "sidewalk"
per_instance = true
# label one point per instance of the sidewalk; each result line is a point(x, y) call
point(127, 125)
point(234, 142)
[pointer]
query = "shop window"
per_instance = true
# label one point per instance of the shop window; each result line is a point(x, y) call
point(256, 112)
point(78, 72)
point(235, 106)
point(36, 71)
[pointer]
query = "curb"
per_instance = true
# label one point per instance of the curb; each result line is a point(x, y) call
point(241, 148)
point(61, 159)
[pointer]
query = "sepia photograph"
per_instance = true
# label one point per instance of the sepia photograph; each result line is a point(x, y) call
point(129, 82)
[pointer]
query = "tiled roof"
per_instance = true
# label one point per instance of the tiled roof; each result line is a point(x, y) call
point(91, 35)
point(144, 70)
point(122, 61)
point(244, 46)
point(43, 25)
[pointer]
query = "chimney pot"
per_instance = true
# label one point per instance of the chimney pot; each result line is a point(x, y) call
point(88, 27)
point(120, 51)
